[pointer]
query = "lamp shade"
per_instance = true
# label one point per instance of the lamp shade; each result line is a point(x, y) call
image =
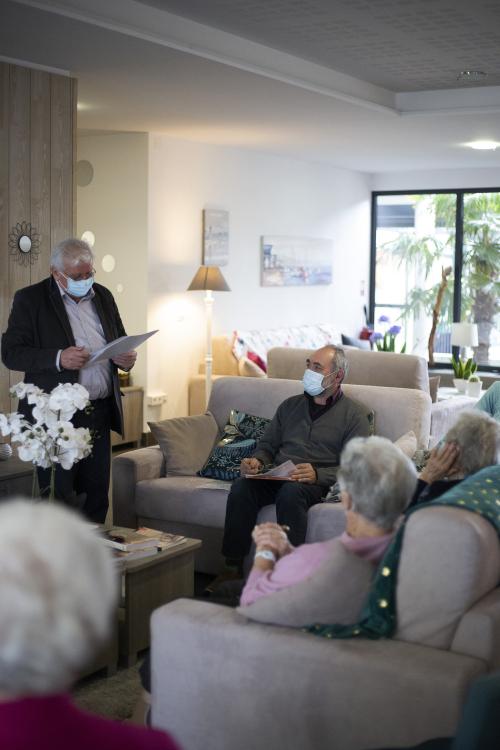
point(464, 334)
point(208, 277)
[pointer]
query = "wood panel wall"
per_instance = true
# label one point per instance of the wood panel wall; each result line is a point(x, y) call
point(37, 157)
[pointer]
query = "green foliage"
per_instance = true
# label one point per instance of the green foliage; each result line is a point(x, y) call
point(481, 257)
point(463, 368)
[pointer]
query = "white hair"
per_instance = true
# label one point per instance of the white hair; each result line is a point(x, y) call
point(58, 587)
point(477, 435)
point(379, 478)
point(71, 252)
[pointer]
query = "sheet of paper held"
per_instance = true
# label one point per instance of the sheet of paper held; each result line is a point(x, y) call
point(281, 472)
point(118, 346)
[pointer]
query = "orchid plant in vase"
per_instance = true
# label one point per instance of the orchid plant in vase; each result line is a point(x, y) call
point(51, 438)
point(386, 342)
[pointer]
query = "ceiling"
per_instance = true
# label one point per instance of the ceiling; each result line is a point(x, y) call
point(403, 45)
point(368, 85)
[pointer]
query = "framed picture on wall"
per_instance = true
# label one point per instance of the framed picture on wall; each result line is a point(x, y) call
point(296, 261)
point(215, 237)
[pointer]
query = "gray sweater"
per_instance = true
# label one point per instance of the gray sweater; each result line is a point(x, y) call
point(293, 435)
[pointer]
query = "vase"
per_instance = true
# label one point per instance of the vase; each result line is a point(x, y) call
point(5, 451)
point(460, 384)
point(474, 388)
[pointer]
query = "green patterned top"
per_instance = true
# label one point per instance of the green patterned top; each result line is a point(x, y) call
point(479, 493)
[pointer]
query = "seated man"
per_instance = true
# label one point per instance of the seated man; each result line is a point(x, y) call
point(310, 430)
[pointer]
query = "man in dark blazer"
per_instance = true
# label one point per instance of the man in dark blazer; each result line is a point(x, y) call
point(53, 328)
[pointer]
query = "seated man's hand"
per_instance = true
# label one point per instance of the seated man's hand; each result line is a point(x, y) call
point(271, 536)
point(250, 466)
point(442, 463)
point(126, 361)
point(304, 473)
point(73, 358)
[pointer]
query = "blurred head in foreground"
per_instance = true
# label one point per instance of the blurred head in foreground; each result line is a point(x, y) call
point(57, 592)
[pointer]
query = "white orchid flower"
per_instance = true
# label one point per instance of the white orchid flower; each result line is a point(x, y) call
point(23, 390)
point(52, 438)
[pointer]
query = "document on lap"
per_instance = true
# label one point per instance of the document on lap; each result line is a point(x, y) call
point(118, 346)
point(281, 472)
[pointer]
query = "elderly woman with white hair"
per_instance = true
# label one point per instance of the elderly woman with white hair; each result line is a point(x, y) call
point(377, 482)
point(472, 443)
point(58, 587)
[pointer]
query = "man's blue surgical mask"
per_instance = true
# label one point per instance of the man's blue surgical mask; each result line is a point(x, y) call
point(313, 382)
point(78, 288)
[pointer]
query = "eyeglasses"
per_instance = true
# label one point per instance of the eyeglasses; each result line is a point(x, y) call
point(81, 276)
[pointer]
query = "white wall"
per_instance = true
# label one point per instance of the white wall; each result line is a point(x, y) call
point(437, 179)
point(264, 195)
point(114, 207)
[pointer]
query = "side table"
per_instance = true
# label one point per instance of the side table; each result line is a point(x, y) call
point(16, 478)
point(146, 585)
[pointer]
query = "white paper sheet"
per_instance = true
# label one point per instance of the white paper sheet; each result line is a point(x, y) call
point(282, 471)
point(118, 346)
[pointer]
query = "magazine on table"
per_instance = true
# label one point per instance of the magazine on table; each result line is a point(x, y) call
point(164, 540)
point(126, 540)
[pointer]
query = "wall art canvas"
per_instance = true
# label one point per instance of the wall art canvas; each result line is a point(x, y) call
point(296, 261)
point(215, 237)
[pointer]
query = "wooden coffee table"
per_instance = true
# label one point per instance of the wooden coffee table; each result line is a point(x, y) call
point(146, 585)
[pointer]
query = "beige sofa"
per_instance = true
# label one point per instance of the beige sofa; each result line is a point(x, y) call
point(144, 493)
point(221, 681)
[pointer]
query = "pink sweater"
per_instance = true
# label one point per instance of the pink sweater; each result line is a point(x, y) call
point(303, 561)
point(53, 723)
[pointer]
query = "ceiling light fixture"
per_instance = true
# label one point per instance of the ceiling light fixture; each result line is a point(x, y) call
point(472, 76)
point(483, 145)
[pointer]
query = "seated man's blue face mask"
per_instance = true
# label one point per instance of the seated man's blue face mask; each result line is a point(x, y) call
point(313, 382)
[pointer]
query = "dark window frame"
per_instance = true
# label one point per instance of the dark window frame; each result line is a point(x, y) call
point(457, 288)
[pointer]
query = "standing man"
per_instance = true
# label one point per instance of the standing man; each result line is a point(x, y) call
point(54, 326)
point(310, 430)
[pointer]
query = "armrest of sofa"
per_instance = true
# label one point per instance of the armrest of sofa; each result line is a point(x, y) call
point(128, 469)
point(319, 687)
point(478, 633)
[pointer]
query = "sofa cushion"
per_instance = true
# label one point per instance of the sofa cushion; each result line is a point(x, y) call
point(186, 442)
point(357, 343)
point(334, 593)
point(407, 443)
point(450, 559)
point(248, 369)
point(191, 500)
point(239, 441)
point(225, 459)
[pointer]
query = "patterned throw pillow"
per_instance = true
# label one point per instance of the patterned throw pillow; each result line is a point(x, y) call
point(246, 425)
point(224, 461)
point(241, 435)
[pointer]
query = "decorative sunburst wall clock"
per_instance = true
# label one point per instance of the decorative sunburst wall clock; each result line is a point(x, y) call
point(24, 242)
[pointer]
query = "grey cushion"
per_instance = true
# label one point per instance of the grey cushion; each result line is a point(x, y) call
point(457, 556)
point(334, 593)
point(186, 442)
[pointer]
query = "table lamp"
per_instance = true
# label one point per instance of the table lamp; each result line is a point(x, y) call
point(465, 336)
point(209, 279)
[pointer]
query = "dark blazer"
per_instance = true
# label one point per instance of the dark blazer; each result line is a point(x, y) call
point(39, 326)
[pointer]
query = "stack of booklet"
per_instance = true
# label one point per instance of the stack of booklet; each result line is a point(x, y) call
point(135, 544)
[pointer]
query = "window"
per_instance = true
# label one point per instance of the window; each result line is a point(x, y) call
point(437, 245)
